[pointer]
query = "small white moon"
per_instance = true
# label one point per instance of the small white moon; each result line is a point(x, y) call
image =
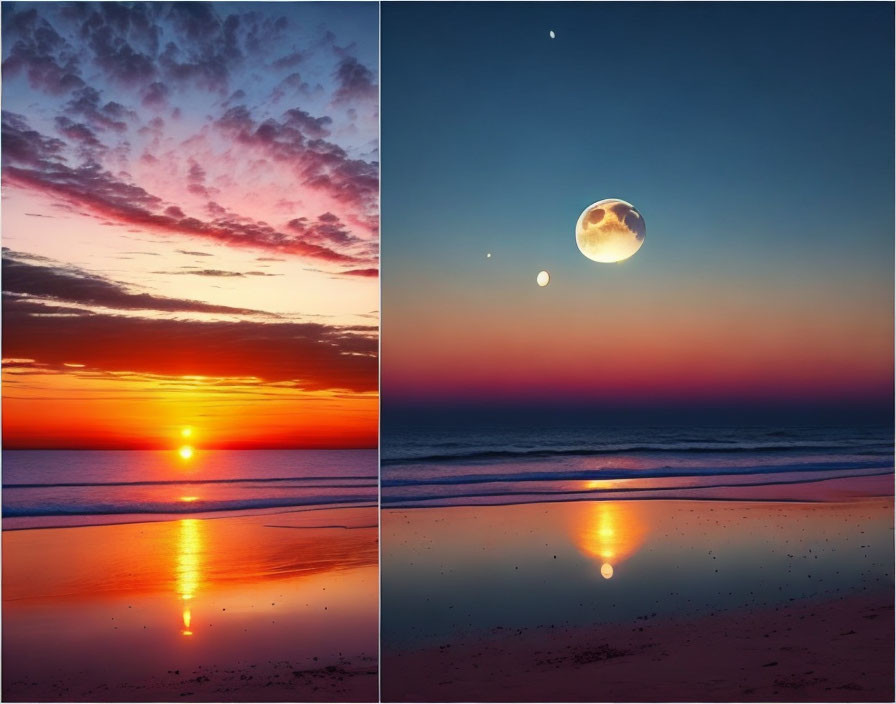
point(551, 34)
point(543, 278)
point(488, 256)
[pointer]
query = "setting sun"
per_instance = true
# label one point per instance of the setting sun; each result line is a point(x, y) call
point(186, 452)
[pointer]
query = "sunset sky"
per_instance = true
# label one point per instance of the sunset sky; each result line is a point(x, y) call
point(190, 224)
point(756, 139)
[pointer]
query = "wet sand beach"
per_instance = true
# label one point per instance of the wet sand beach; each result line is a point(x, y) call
point(272, 607)
point(661, 600)
point(826, 651)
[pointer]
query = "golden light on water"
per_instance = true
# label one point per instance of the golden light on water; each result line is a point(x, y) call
point(185, 452)
point(610, 531)
point(187, 620)
point(189, 566)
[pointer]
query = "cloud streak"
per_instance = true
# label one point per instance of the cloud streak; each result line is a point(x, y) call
point(67, 284)
point(309, 356)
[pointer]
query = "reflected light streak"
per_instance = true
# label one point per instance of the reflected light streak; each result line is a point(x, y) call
point(610, 531)
point(189, 566)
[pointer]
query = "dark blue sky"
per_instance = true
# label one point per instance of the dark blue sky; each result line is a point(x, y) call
point(755, 138)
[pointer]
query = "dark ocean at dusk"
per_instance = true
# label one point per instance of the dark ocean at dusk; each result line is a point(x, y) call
point(62, 487)
point(528, 464)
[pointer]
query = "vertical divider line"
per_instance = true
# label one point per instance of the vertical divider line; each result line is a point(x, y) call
point(379, 359)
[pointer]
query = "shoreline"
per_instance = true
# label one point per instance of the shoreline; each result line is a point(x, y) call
point(150, 518)
point(821, 490)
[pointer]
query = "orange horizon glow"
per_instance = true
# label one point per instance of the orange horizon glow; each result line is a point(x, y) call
point(84, 410)
point(678, 341)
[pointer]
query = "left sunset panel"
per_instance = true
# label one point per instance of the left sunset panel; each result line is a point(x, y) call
point(190, 317)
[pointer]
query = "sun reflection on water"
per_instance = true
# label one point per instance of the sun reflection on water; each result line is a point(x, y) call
point(610, 531)
point(189, 566)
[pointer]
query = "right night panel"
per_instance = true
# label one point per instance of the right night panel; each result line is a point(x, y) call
point(637, 352)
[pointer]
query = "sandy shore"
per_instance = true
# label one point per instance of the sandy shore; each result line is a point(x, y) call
point(828, 651)
point(352, 681)
point(273, 607)
point(640, 601)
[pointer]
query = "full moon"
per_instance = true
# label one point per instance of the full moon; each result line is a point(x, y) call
point(543, 278)
point(610, 230)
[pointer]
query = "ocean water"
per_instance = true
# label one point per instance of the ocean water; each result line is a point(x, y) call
point(61, 487)
point(457, 466)
point(600, 525)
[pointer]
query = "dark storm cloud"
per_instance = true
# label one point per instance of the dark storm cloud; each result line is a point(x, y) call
point(86, 102)
point(261, 31)
point(205, 72)
point(23, 145)
point(73, 286)
point(217, 273)
point(155, 95)
point(238, 96)
point(34, 161)
point(196, 180)
point(196, 173)
point(366, 273)
point(214, 273)
point(356, 81)
point(78, 132)
point(310, 355)
point(39, 52)
point(125, 41)
point(290, 60)
point(195, 254)
point(314, 127)
point(139, 45)
point(120, 61)
point(151, 56)
point(321, 165)
point(327, 230)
